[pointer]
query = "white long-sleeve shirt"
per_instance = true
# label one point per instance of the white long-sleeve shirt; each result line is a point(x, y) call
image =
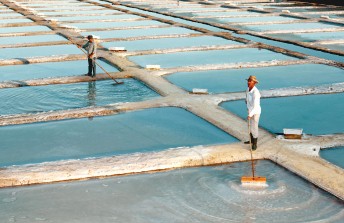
point(253, 101)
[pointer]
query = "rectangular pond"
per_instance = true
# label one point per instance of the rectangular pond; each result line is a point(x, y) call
point(30, 39)
point(82, 12)
point(233, 80)
point(51, 69)
point(38, 51)
point(311, 37)
point(9, 21)
point(207, 194)
point(234, 13)
point(195, 58)
point(121, 24)
point(138, 131)
point(292, 26)
point(126, 33)
point(22, 29)
point(334, 155)
point(170, 43)
point(101, 17)
point(315, 114)
point(69, 96)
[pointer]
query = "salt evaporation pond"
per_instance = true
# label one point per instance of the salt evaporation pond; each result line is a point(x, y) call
point(206, 194)
point(98, 17)
point(310, 37)
point(38, 51)
point(209, 57)
point(315, 114)
point(168, 43)
point(9, 21)
point(68, 96)
point(334, 155)
point(120, 24)
point(262, 19)
point(292, 26)
point(127, 33)
point(233, 80)
point(21, 29)
point(30, 39)
point(81, 12)
point(138, 131)
point(50, 69)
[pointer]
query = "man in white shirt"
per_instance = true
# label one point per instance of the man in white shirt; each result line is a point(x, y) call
point(253, 109)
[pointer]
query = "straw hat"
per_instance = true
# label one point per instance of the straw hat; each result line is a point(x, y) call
point(252, 78)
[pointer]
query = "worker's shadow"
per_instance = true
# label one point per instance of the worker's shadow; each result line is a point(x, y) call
point(91, 93)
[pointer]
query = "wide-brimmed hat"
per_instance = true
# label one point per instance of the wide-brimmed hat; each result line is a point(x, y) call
point(252, 78)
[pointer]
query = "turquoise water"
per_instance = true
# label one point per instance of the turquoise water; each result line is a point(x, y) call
point(220, 81)
point(24, 29)
point(209, 57)
point(140, 32)
point(170, 43)
point(38, 51)
point(139, 131)
point(68, 96)
point(206, 194)
point(295, 26)
point(30, 39)
point(311, 37)
point(51, 69)
point(334, 155)
point(122, 24)
point(7, 21)
point(315, 114)
point(95, 18)
point(81, 12)
point(227, 13)
point(256, 19)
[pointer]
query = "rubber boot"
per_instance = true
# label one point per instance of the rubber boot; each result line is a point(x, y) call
point(248, 142)
point(254, 144)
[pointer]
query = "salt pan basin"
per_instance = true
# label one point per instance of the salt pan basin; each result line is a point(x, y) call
point(38, 51)
point(139, 131)
point(334, 155)
point(35, 99)
point(169, 43)
point(122, 24)
point(196, 58)
point(30, 39)
point(46, 70)
point(233, 80)
point(23, 29)
point(315, 114)
point(126, 33)
point(206, 194)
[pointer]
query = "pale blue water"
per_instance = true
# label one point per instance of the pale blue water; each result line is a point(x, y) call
point(310, 37)
point(38, 51)
point(67, 96)
point(24, 29)
point(334, 155)
point(253, 38)
point(295, 26)
point(102, 17)
point(254, 19)
point(139, 131)
point(220, 81)
point(227, 13)
point(140, 32)
point(339, 46)
point(170, 43)
point(209, 57)
point(30, 39)
point(205, 194)
point(81, 12)
point(121, 24)
point(51, 69)
point(315, 114)
point(8, 21)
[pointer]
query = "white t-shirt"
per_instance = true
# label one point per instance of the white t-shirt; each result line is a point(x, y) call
point(253, 101)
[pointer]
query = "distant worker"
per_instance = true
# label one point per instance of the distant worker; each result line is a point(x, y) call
point(91, 48)
point(253, 109)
